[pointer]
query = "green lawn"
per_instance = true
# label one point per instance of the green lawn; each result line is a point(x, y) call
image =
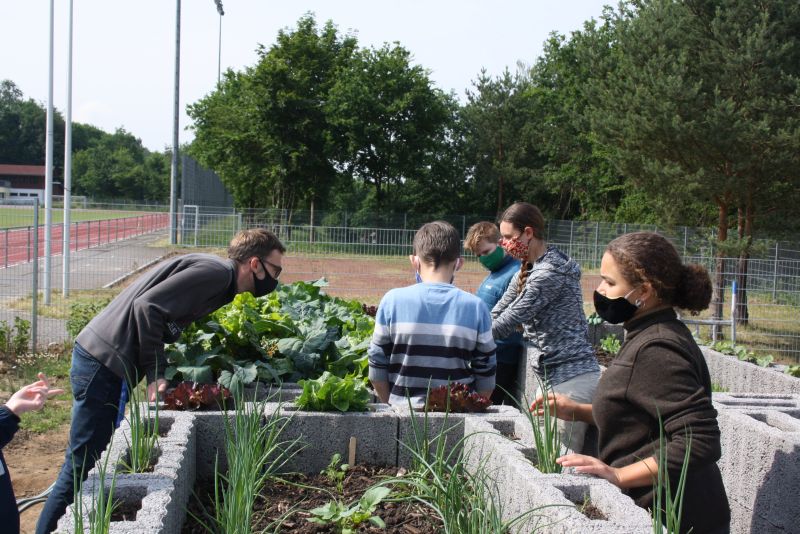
point(15, 216)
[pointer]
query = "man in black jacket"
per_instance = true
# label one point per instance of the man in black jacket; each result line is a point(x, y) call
point(126, 341)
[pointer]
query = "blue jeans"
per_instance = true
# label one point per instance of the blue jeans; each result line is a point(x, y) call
point(96, 394)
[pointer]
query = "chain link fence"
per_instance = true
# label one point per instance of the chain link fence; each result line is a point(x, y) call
point(364, 261)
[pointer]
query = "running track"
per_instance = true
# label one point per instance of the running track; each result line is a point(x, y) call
point(16, 244)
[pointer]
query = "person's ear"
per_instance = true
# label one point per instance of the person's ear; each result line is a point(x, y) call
point(529, 233)
point(648, 294)
point(459, 263)
point(414, 262)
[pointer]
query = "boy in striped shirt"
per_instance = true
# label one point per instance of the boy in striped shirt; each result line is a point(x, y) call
point(431, 333)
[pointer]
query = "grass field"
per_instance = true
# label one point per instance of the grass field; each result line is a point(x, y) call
point(16, 216)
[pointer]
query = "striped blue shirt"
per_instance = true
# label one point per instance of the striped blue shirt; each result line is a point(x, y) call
point(431, 334)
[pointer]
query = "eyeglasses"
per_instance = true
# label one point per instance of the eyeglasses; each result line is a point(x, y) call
point(278, 268)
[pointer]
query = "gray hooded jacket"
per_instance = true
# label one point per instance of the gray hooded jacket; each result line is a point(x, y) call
point(550, 310)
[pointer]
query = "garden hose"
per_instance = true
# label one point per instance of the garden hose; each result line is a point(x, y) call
point(24, 504)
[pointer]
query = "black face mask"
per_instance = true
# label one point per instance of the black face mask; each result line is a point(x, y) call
point(616, 310)
point(265, 286)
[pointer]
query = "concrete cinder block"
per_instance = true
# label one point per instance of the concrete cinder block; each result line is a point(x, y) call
point(450, 425)
point(746, 401)
point(157, 513)
point(327, 433)
point(553, 501)
point(738, 376)
point(760, 467)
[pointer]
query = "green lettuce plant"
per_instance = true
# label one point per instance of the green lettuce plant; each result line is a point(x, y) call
point(331, 393)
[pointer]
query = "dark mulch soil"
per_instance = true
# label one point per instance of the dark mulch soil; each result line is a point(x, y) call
point(604, 357)
point(591, 511)
point(278, 499)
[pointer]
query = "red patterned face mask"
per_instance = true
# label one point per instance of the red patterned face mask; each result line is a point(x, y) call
point(515, 248)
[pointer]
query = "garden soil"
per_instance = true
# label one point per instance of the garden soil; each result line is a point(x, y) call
point(274, 507)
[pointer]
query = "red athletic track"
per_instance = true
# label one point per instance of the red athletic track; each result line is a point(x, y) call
point(16, 244)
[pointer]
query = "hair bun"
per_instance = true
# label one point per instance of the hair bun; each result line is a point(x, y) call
point(694, 289)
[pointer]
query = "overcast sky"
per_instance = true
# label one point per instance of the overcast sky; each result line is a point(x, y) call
point(123, 57)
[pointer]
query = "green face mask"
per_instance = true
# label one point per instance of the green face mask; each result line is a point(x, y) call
point(492, 261)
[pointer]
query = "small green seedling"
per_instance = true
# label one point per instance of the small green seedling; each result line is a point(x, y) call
point(335, 472)
point(344, 519)
point(610, 344)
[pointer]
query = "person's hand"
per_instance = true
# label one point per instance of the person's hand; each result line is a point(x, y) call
point(156, 389)
point(563, 406)
point(591, 466)
point(32, 396)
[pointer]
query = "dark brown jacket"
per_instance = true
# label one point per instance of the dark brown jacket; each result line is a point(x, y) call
point(660, 372)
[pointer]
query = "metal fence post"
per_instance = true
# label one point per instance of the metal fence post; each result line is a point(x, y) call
point(596, 243)
point(685, 239)
point(35, 280)
point(775, 274)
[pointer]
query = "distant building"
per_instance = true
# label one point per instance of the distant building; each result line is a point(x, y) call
point(23, 182)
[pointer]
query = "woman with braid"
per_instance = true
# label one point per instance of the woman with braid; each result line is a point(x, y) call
point(545, 301)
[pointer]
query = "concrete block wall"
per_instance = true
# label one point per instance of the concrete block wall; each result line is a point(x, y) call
point(555, 498)
point(437, 422)
point(162, 494)
point(760, 465)
point(760, 433)
point(737, 376)
point(324, 434)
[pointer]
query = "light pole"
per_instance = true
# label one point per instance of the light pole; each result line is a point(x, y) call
point(173, 183)
point(48, 178)
point(219, 56)
point(67, 168)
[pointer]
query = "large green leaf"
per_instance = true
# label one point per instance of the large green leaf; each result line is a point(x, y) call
point(197, 373)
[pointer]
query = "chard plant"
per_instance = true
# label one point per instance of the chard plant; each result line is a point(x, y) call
point(668, 504)
point(346, 519)
point(256, 454)
point(143, 421)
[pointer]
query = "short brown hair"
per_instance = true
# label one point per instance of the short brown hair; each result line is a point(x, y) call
point(437, 242)
point(650, 257)
point(480, 231)
point(254, 242)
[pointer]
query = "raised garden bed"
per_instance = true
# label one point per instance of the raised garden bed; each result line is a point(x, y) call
point(284, 507)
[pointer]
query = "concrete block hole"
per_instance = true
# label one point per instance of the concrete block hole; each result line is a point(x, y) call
point(127, 503)
point(506, 428)
point(775, 422)
point(580, 496)
point(125, 460)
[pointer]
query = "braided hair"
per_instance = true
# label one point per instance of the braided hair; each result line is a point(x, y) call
point(523, 215)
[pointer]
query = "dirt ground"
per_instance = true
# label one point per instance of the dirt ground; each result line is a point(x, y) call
point(34, 461)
